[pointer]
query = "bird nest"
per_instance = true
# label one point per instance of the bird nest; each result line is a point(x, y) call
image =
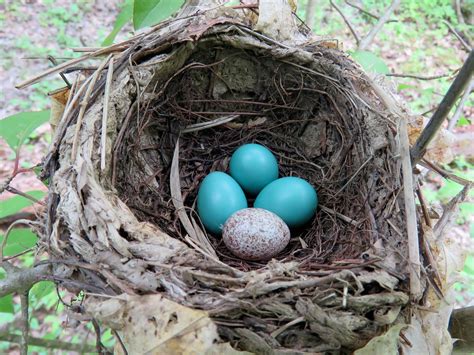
point(140, 133)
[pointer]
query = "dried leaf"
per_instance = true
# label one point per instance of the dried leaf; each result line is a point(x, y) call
point(154, 325)
point(276, 20)
point(386, 344)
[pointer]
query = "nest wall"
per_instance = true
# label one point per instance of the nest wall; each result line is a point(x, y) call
point(130, 226)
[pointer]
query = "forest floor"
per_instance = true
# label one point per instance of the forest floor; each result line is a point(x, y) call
point(32, 30)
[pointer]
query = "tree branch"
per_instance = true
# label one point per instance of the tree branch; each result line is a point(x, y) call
point(49, 343)
point(367, 40)
point(20, 280)
point(457, 87)
point(354, 33)
point(25, 324)
point(419, 77)
point(355, 6)
point(466, 45)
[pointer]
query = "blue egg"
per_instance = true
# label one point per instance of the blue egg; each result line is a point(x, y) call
point(218, 198)
point(293, 199)
point(253, 166)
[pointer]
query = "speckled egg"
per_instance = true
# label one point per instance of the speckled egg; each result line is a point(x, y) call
point(255, 234)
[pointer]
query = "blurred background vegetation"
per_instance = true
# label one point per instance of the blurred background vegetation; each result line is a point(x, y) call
point(417, 41)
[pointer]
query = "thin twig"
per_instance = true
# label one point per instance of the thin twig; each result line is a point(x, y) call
point(419, 77)
point(354, 175)
point(340, 215)
point(205, 125)
point(49, 343)
point(366, 12)
point(466, 46)
point(410, 211)
point(346, 20)
point(449, 212)
point(457, 87)
point(367, 40)
point(119, 338)
point(25, 324)
point(459, 110)
point(105, 113)
point(20, 193)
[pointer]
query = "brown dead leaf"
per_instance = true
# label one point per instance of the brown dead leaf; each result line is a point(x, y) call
point(58, 103)
point(152, 325)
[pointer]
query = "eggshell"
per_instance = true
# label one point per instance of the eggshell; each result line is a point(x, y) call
point(255, 234)
point(253, 166)
point(218, 198)
point(291, 198)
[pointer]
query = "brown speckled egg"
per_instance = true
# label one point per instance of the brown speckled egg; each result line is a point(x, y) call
point(255, 234)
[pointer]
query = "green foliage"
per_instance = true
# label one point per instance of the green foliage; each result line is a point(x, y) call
point(17, 203)
point(370, 62)
point(16, 128)
point(150, 12)
point(19, 240)
point(6, 304)
point(122, 19)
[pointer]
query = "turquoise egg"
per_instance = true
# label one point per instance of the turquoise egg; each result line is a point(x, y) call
point(253, 166)
point(218, 198)
point(293, 199)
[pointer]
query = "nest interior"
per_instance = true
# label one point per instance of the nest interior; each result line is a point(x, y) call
point(341, 280)
point(311, 120)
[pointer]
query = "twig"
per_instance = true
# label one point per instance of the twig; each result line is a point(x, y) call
point(119, 338)
point(457, 114)
point(83, 104)
point(98, 343)
point(49, 343)
point(29, 197)
point(367, 40)
point(205, 125)
point(449, 212)
point(419, 77)
point(410, 211)
point(446, 174)
point(55, 63)
point(366, 12)
point(72, 62)
point(354, 175)
point(466, 46)
point(25, 326)
point(340, 215)
point(460, 83)
point(105, 113)
point(354, 33)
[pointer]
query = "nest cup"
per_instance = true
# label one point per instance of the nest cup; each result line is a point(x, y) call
point(176, 110)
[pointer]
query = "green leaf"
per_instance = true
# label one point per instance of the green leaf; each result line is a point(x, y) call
point(150, 12)
point(16, 128)
point(6, 304)
point(463, 121)
point(123, 17)
point(370, 62)
point(42, 289)
point(17, 203)
point(19, 240)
